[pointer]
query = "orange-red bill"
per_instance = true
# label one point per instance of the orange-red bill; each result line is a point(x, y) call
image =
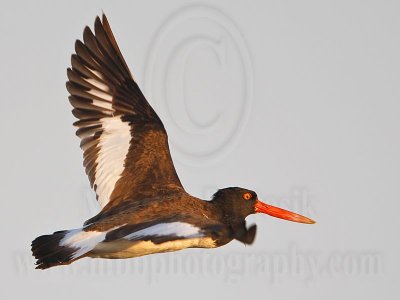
point(281, 213)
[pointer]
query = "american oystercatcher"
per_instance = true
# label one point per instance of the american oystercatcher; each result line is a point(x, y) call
point(145, 208)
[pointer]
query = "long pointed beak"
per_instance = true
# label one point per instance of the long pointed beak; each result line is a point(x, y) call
point(281, 213)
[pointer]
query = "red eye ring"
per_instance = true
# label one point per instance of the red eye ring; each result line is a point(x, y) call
point(247, 196)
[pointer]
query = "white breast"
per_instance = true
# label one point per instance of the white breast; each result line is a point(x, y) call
point(127, 249)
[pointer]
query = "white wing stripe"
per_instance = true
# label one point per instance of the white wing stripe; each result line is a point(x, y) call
point(110, 160)
point(97, 84)
point(84, 241)
point(101, 95)
point(97, 73)
point(103, 104)
point(174, 228)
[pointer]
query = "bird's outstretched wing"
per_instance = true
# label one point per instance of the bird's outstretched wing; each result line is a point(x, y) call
point(124, 142)
point(176, 228)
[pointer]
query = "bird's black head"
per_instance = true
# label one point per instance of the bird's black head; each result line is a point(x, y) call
point(237, 203)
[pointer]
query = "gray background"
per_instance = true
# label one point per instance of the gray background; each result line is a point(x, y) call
point(298, 100)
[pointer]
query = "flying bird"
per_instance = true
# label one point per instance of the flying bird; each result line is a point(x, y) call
point(145, 208)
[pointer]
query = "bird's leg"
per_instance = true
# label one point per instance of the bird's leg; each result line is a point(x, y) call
point(244, 235)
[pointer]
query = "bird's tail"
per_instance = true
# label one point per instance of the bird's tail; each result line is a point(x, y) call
point(61, 247)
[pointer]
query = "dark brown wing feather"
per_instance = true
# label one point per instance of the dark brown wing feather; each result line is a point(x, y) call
point(124, 142)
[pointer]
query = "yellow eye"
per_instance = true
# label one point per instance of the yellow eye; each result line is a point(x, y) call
point(247, 196)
